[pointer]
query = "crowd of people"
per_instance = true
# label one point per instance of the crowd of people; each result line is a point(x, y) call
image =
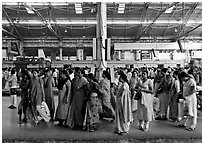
point(153, 93)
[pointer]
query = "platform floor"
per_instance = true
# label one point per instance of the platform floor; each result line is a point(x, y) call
point(160, 131)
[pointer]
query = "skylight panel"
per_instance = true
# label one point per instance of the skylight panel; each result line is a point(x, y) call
point(121, 8)
point(78, 8)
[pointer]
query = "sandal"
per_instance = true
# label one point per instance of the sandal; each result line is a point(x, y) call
point(146, 129)
point(190, 129)
point(140, 128)
point(181, 126)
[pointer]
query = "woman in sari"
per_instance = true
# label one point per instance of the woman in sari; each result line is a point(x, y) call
point(49, 95)
point(145, 104)
point(76, 112)
point(174, 91)
point(64, 87)
point(123, 107)
point(107, 109)
point(91, 120)
point(36, 97)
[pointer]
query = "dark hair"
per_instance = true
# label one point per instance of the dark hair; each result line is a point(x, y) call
point(66, 74)
point(13, 71)
point(176, 72)
point(124, 77)
point(77, 69)
point(107, 75)
point(164, 70)
point(184, 74)
point(145, 71)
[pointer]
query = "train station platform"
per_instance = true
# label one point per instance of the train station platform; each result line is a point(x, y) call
point(160, 131)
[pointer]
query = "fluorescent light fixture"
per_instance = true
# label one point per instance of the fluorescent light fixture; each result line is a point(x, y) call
point(29, 11)
point(168, 11)
point(78, 8)
point(121, 8)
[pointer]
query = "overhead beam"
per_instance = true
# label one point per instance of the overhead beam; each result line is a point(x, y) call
point(185, 19)
point(186, 33)
point(157, 16)
point(12, 25)
point(10, 33)
point(43, 20)
point(143, 16)
point(54, 19)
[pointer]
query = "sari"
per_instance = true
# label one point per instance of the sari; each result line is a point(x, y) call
point(123, 109)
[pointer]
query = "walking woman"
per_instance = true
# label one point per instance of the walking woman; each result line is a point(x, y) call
point(163, 95)
point(91, 120)
point(190, 102)
point(49, 95)
point(13, 89)
point(173, 104)
point(145, 104)
point(107, 109)
point(64, 87)
point(36, 97)
point(76, 113)
point(123, 107)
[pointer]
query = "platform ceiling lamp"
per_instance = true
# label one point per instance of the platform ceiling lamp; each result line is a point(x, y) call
point(121, 8)
point(78, 8)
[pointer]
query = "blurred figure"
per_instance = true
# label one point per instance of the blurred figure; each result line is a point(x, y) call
point(78, 104)
point(123, 107)
point(163, 95)
point(173, 104)
point(91, 119)
point(145, 104)
point(24, 85)
point(36, 97)
point(48, 89)
point(108, 110)
point(190, 102)
point(13, 89)
point(64, 97)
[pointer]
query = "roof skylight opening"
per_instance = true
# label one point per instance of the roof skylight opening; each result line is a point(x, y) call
point(78, 8)
point(168, 11)
point(121, 8)
point(29, 11)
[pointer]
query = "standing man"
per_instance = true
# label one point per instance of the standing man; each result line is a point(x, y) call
point(13, 89)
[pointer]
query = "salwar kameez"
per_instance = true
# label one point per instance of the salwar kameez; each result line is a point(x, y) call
point(145, 111)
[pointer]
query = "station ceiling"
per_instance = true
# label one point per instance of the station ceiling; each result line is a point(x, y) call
point(139, 20)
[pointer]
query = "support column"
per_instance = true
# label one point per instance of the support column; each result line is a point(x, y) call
point(60, 53)
point(94, 48)
point(108, 49)
point(60, 49)
point(21, 49)
point(53, 56)
point(101, 36)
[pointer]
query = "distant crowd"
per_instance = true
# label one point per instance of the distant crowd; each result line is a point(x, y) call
point(83, 101)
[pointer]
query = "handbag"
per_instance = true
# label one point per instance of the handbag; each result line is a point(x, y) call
point(138, 95)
